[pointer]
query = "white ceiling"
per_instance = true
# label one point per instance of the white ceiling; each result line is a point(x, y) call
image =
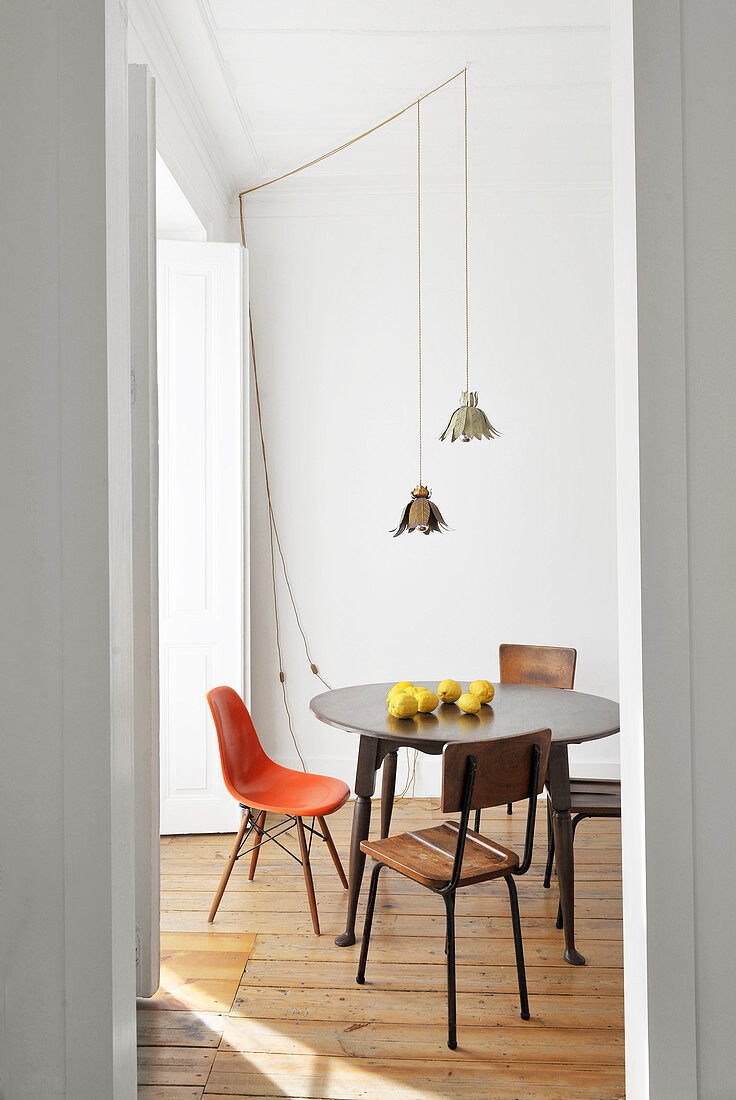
point(282, 81)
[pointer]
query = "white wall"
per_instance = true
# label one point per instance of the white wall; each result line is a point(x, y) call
point(175, 216)
point(532, 553)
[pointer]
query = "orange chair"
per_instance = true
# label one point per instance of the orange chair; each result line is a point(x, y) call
point(261, 786)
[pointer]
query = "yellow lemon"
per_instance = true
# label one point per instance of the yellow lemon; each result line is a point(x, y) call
point(426, 700)
point(469, 703)
point(402, 705)
point(483, 690)
point(449, 691)
point(403, 685)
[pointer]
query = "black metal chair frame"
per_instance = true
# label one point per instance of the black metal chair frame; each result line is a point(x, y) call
point(449, 890)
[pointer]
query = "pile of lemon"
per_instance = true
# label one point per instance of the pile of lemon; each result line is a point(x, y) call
point(406, 699)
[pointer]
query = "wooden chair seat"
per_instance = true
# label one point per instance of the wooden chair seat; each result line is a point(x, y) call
point(427, 856)
point(475, 775)
point(595, 797)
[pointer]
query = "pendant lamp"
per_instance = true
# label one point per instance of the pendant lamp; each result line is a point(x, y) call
point(468, 421)
point(421, 513)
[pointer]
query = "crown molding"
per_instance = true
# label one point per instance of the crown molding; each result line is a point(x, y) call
point(584, 201)
point(208, 21)
point(147, 20)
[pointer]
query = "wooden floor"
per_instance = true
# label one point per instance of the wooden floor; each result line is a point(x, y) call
point(256, 1005)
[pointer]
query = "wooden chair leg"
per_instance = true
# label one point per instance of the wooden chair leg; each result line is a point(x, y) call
point(309, 882)
point(333, 851)
point(257, 849)
point(229, 867)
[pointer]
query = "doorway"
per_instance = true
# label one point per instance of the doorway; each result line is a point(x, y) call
point(202, 477)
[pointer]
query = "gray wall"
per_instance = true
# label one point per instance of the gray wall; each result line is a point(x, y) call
point(66, 952)
point(709, 185)
point(675, 222)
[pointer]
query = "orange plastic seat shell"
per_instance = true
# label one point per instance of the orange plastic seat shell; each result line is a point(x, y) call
point(257, 781)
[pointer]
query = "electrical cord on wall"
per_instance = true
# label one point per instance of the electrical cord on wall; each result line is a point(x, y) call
point(273, 537)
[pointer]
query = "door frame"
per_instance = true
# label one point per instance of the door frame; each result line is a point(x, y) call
point(653, 546)
point(144, 461)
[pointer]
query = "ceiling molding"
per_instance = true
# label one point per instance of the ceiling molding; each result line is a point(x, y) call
point(410, 16)
point(152, 29)
point(565, 201)
point(268, 86)
point(209, 23)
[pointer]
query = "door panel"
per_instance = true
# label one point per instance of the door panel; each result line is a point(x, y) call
point(201, 521)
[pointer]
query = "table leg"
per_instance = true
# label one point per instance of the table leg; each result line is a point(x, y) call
point(388, 786)
point(559, 789)
point(365, 782)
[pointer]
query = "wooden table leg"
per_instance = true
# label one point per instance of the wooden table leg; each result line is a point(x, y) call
point(365, 782)
point(559, 789)
point(388, 786)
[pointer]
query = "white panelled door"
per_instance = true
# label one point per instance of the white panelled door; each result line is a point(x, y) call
point(201, 296)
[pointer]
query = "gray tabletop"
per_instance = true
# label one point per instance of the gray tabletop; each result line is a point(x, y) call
point(572, 716)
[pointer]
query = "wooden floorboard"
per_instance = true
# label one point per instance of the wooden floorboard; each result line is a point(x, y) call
point(255, 1005)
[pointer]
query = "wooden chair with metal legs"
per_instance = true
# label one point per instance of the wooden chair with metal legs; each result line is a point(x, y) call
point(546, 665)
point(588, 798)
point(553, 666)
point(448, 857)
point(262, 786)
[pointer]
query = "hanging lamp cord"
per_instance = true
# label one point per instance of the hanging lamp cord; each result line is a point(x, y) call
point(419, 275)
point(467, 280)
point(352, 141)
point(274, 539)
point(345, 145)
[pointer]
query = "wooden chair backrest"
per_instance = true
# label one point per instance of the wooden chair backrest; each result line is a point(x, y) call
point(545, 665)
point(504, 770)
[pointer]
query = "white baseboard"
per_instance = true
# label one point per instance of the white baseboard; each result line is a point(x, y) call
point(599, 769)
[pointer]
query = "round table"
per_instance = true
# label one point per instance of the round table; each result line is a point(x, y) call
point(572, 716)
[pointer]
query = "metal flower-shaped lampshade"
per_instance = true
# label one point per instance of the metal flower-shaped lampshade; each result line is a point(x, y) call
point(469, 422)
point(421, 514)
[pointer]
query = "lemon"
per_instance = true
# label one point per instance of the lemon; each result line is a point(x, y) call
point(483, 690)
point(403, 685)
point(469, 703)
point(403, 705)
point(426, 700)
point(449, 691)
